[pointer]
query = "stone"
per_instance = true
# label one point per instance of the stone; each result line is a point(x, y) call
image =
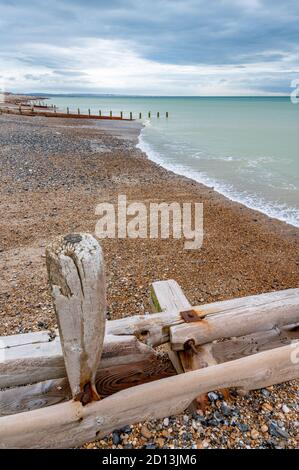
point(115, 438)
point(166, 422)
point(242, 427)
point(264, 428)
point(267, 407)
point(145, 432)
point(213, 396)
point(160, 441)
point(276, 431)
point(285, 409)
point(254, 434)
point(186, 419)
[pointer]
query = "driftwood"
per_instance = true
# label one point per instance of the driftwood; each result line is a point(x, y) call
point(70, 424)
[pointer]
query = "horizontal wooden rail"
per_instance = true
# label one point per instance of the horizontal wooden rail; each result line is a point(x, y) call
point(33, 357)
point(71, 424)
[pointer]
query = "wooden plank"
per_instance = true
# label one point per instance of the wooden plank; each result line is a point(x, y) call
point(241, 320)
point(243, 346)
point(109, 380)
point(167, 296)
point(70, 424)
point(159, 323)
point(43, 361)
point(76, 273)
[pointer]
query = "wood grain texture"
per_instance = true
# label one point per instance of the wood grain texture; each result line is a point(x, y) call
point(260, 314)
point(29, 363)
point(109, 380)
point(167, 296)
point(76, 273)
point(70, 424)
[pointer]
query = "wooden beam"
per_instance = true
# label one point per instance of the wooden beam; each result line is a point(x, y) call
point(145, 367)
point(24, 364)
point(70, 424)
point(238, 320)
point(34, 357)
point(76, 272)
point(168, 296)
point(243, 346)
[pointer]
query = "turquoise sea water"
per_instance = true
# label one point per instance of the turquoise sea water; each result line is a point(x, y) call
point(246, 148)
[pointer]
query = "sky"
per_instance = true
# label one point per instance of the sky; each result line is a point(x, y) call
point(165, 47)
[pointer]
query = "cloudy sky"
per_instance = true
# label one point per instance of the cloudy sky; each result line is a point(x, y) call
point(153, 47)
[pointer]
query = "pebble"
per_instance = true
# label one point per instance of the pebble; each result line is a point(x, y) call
point(115, 438)
point(276, 431)
point(166, 422)
point(264, 428)
point(213, 396)
point(267, 407)
point(254, 434)
point(285, 409)
point(145, 432)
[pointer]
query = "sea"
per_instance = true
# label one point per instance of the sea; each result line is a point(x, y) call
point(246, 148)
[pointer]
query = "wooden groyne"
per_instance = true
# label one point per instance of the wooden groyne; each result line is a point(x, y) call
point(27, 109)
point(62, 389)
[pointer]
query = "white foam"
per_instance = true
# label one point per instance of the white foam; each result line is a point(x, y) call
point(272, 209)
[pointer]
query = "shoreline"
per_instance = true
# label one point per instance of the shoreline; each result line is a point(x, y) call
point(53, 174)
point(233, 196)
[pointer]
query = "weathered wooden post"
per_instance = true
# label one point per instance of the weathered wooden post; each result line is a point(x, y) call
point(131, 116)
point(111, 114)
point(78, 111)
point(149, 114)
point(121, 114)
point(89, 112)
point(100, 113)
point(158, 114)
point(77, 278)
point(167, 114)
point(54, 108)
point(67, 111)
point(20, 109)
point(140, 115)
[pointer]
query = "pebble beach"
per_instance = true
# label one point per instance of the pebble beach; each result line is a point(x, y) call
point(53, 173)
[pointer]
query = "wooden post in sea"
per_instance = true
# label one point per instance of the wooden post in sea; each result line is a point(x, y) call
point(140, 115)
point(131, 116)
point(158, 114)
point(54, 108)
point(89, 112)
point(149, 114)
point(111, 114)
point(121, 114)
point(100, 113)
point(67, 111)
point(79, 111)
point(167, 114)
